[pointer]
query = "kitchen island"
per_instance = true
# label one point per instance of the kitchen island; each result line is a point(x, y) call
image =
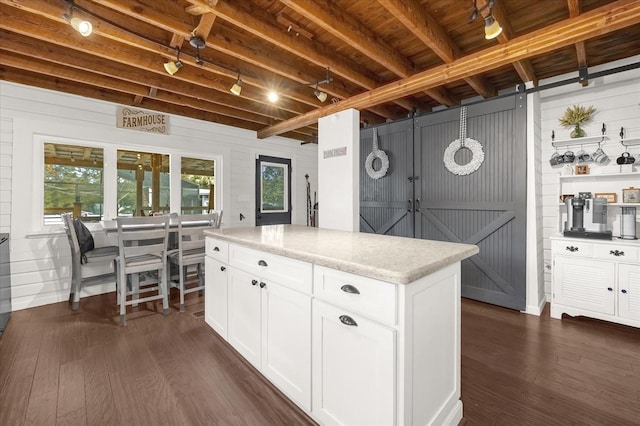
point(354, 328)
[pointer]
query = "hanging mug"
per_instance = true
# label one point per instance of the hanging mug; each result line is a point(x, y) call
point(583, 156)
point(569, 157)
point(625, 158)
point(599, 156)
point(556, 159)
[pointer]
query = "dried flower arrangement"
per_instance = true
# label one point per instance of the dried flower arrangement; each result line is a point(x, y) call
point(574, 116)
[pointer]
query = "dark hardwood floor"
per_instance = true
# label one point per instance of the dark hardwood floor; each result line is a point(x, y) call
point(80, 368)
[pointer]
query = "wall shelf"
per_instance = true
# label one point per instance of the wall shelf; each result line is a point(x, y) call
point(587, 140)
point(630, 141)
point(595, 175)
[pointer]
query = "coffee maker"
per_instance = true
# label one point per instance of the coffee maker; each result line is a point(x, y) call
point(586, 217)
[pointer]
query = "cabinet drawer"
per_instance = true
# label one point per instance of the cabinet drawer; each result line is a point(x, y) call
point(287, 272)
point(217, 249)
point(617, 252)
point(372, 298)
point(573, 248)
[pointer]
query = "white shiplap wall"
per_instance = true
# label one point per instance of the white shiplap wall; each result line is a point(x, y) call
point(40, 262)
point(617, 100)
point(6, 151)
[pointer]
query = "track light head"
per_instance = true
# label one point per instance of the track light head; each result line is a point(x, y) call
point(322, 96)
point(492, 28)
point(172, 67)
point(80, 25)
point(237, 87)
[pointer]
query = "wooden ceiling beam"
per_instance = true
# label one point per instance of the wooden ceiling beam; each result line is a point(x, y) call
point(139, 91)
point(412, 15)
point(243, 51)
point(85, 62)
point(309, 50)
point(574, 10)
point(250, 51)
point(62, 35)
point(348, 29)
point(54, 10)
point(523, 68)
point(353, 32)
point(603, 20)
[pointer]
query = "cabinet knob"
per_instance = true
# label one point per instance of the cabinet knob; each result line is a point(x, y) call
point(572, 248)
point(254, 282)
point(624, 291)
point(348, 288)
point(616, 252)
point(262, 263)
point(263, 284)
point(222, 268)
point(216, 249)
point(609, 289)
point(347, 320)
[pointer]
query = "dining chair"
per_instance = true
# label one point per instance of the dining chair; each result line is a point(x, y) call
point(90, 272)
point(191, 251)
point(143, 251)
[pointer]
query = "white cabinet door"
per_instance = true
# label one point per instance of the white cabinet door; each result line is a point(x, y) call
point(354, 380)
point(286, 341)
point(629, 291)
point(244, 314)
point(215, 296)
point(585, 284)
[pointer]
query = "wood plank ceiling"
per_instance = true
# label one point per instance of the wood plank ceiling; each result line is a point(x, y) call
point(387, 58)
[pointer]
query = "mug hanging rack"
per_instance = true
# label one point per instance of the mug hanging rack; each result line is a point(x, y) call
point(627, 142)
point(585, 140)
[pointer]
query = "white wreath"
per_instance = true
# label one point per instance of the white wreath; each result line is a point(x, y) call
point(476, 160)
point(384, 166)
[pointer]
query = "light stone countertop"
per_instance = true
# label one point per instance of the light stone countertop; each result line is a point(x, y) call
point(394, 259)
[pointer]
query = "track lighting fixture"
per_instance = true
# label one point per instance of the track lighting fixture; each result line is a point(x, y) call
point(237, 87)
point(492, 28)
point(172, 67)
point(80, 25)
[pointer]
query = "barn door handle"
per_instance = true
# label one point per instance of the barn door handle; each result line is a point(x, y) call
point(417, 204)
point(410, 205)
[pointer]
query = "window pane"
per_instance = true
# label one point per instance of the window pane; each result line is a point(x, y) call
point(197, 185)
point(274, 185)
point(72, 182)
point(143, 183)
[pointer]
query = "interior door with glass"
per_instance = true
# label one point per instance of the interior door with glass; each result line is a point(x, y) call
point(273, 190)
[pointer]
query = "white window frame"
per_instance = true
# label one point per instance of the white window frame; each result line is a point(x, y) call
point(110, 174)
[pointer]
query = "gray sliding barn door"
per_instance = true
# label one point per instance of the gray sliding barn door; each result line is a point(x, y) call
point(487, 207)
point(385, 202)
